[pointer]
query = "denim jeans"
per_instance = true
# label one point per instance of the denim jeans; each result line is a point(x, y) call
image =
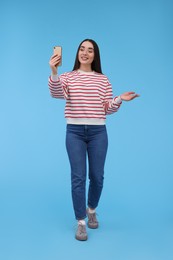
point(82, 142)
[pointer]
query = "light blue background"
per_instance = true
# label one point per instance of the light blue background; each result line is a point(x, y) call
point(136, 209)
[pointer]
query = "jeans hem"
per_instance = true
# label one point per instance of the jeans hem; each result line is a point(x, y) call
point(81, 218)
point(91, 207)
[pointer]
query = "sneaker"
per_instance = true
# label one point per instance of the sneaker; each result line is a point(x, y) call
point(92, 220)
point(81, 233)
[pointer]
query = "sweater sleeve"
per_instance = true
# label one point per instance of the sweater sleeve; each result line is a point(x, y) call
point(58, 86)
point(111, 104)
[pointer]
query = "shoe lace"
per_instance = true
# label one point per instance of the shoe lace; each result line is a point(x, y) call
point(92, 217)
point(80, 227)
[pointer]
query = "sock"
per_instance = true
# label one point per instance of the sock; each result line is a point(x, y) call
point(81, 222)
point(91, 210)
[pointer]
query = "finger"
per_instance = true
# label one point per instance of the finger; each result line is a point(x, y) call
point(55, 60)
point(54, 55)
point(135, 96)
point(131, 92)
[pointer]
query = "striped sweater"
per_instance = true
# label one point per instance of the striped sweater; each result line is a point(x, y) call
point(88, 96)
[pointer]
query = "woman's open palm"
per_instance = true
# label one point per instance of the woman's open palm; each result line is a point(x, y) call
point(127, 96)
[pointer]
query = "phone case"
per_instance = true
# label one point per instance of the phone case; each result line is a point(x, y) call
point(58, 50)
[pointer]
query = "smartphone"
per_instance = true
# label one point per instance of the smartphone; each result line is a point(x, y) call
point(58, 50)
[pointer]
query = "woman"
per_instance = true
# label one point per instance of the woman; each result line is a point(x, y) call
point(89, 99)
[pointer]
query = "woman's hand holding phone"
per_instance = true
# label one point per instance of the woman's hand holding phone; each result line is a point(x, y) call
point(54, 62)
point(56, 59)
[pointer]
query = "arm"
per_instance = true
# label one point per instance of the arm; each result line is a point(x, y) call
point(111, 105)
point(57, 85)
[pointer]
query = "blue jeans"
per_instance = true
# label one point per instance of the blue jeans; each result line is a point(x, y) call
point(84, 141)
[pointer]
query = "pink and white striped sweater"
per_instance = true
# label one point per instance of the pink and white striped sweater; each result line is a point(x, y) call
point(88, 96)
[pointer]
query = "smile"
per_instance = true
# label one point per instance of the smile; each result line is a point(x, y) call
point(84, 58)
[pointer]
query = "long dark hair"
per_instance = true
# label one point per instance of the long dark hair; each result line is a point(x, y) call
point(96, 64)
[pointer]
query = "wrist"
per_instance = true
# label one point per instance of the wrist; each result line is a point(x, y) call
point(54, 71)
point(120, 97)
point(54, 77)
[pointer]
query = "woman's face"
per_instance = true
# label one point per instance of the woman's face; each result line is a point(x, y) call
point(86, 53)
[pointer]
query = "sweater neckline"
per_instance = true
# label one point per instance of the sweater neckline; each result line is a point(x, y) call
point(86, 72)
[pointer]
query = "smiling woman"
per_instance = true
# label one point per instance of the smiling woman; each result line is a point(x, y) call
point(88, 49)
point(89, 99)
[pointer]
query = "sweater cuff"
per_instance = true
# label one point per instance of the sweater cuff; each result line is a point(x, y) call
point(118, 100)
point(54, 77)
